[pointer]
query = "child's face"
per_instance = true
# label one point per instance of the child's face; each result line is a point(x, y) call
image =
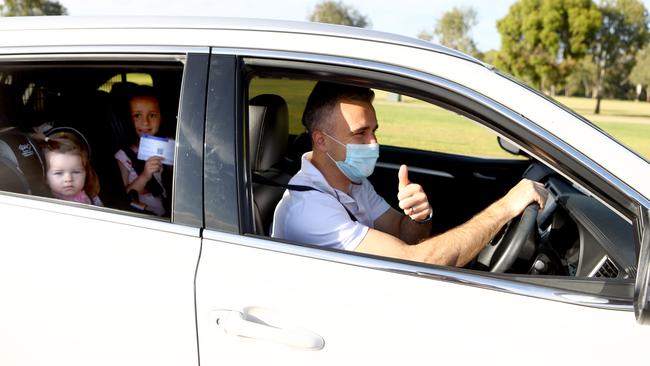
point(66, 175)
point(145, 114)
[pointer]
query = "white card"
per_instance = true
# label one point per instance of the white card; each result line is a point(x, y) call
point(156, 146)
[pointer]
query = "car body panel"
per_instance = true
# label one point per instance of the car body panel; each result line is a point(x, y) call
point(367, 315)
point(124, 298)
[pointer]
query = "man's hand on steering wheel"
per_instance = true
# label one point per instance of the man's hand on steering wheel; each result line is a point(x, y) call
point(522, 195)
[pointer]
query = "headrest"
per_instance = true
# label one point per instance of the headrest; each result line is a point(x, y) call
point(81, 139)
point(20, 153)
point(268, 128)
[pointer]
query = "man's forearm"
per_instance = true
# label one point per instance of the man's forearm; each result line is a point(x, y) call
point(472, 236)
point(412, 232)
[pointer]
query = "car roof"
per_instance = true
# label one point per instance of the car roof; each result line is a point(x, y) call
point(189, 22)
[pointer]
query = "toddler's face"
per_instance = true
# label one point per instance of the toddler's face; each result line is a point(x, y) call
point(145, 114)
point(66, 175)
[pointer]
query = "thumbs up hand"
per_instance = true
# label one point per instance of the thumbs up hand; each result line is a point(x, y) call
point(412, 199)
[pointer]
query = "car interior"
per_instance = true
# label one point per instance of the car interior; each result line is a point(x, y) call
point(88, 97)
point(575, 235)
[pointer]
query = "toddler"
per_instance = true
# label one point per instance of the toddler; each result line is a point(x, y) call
point(69, 174)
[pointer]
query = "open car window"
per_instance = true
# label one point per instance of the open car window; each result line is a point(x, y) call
point(90, 101)
point(576, 236)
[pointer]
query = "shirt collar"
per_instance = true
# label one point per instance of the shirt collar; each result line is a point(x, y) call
point(318, 180)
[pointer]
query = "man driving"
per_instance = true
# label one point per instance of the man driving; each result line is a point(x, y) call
point(331, 203)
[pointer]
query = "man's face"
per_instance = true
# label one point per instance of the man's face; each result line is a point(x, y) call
point(66, 175)
point(353, 122)
point(145, 115)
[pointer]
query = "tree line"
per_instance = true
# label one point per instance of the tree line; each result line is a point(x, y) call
point(570, 47)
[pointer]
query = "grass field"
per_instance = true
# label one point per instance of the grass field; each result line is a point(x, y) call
point(412, 123)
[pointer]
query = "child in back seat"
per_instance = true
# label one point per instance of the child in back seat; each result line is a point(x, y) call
point(69, 174)
point(144, 177)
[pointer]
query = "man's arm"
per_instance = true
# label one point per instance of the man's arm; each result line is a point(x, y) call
point(403, 227)
point(459, 245)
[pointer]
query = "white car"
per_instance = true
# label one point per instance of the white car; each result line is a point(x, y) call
point(204, 284)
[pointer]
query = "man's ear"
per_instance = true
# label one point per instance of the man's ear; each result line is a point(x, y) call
point(318, 140)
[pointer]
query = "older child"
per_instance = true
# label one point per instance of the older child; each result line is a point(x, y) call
point(143, 177)
point(69, 174)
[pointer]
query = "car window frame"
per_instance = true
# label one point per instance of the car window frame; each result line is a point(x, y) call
point(144, 54)
point(455, 98)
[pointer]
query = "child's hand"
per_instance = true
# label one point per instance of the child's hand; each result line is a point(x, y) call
point(152, 165)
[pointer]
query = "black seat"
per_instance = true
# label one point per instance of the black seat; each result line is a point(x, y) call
point(268, 134)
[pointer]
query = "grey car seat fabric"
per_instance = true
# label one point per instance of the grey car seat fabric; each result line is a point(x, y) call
point(268, 135)
point(22, 169)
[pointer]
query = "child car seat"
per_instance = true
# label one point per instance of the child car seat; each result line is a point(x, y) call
point(22, 169)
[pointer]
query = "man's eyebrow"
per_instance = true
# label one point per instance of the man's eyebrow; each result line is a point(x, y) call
point(364, 128)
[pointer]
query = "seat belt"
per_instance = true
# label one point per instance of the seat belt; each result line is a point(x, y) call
point(295, 187)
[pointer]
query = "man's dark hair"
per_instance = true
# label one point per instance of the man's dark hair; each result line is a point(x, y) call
point(323, 99)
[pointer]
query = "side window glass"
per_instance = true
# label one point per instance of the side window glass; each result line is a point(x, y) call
point(100, 134)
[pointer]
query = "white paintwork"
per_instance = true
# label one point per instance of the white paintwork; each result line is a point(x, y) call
point(371, 317)
point(93, 291)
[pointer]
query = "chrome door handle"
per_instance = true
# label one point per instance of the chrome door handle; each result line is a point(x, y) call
point(237, 324)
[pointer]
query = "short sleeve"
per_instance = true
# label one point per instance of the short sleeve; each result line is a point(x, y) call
point(317, 218)
point(377, 205)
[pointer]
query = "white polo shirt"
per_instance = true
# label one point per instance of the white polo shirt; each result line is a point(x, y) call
point(318, 217)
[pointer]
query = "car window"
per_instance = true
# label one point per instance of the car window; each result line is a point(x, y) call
point(83, 115)
point(462, 170)
point(408, 122)
point(293, 91)
point(404, 121)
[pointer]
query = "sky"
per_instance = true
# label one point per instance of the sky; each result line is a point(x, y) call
point(405, 17)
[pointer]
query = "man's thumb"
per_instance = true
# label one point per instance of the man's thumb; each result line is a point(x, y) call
point(403, 176)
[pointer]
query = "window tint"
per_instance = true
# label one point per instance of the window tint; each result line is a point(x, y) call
point(62, 127)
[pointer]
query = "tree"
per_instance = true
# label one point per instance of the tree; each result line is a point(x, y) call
point(336, 12)
point(490, 57)
point(623, 32)
point(640, 74)
point(542, 40)
point(31, 7)
point(453, 30)
point(582, 79)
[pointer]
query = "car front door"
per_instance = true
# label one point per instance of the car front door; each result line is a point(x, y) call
point(261, 300)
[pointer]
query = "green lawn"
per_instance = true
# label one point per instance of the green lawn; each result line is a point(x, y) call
point(412, 123)
point(627, 121)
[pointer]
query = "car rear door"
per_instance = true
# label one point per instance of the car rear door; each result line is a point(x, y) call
point(102, 286)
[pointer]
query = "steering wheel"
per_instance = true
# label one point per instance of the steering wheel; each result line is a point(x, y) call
point(502, 252)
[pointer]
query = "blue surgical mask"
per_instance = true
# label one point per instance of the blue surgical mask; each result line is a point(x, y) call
point(360, 160)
